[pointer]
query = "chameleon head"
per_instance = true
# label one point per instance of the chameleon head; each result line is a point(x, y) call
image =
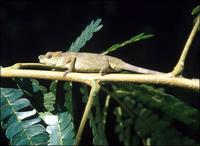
point(51, 58)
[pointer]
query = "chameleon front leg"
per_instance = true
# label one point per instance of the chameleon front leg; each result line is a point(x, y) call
point(71, 63)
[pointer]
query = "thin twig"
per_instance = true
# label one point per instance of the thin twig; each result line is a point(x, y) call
point(178, 69)
point(94, 90)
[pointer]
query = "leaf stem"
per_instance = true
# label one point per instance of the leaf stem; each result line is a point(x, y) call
point(114, 97)
point(105, 110)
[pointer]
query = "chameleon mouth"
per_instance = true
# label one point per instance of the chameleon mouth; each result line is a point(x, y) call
point(40, 57)
point(47, 63)
point(42, 61)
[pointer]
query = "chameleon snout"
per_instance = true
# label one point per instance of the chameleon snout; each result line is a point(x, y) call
point(41, 58)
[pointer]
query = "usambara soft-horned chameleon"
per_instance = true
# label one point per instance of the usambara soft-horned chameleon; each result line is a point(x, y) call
point(89, 62)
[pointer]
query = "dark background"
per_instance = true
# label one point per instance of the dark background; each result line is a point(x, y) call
point(31, 28)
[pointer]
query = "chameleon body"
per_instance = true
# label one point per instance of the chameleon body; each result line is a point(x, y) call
point(89, 62)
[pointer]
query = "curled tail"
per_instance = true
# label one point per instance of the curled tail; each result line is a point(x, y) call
point(137, 69)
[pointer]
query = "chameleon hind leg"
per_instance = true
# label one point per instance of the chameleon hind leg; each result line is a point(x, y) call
point(105, 67)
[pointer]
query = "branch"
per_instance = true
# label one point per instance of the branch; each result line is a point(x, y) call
point(88, 78)
point(93, 92)
point(178, 69)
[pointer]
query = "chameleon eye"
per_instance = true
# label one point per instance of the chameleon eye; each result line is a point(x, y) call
point(49, 56)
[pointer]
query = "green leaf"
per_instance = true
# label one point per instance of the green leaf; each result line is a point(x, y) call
point(8, 108)
point(86, 35)
point(31, 131)
point(196, 10)
point(18, 127)
point(40, 139)
point(60, 128)
point(9, 94)
point(20, 104)
point(20, 115)
point(98, 131)
point(134, 39)
point(23, 115)
point(53, 87)
point(68, 97)
point(49, 101)
point(50, 97)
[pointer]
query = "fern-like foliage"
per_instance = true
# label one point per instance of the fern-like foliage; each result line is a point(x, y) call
point(86, 35)
point(22, 126)
point(123, 127)
point(45, 98)
point(159, 129)
point(157, 99)
point(60, 128)
point(142, 101)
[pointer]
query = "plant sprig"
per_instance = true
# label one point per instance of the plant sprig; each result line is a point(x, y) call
point(137, 38)
point(86, 35)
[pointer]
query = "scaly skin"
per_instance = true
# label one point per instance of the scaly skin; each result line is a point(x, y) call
point(89, 62)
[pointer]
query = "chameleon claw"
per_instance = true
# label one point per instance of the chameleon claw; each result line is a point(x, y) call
point(65, 73)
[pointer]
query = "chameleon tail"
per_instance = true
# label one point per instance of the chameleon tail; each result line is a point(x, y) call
point(137, 69)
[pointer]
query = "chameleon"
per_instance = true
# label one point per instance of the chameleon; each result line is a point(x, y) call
point(89, 62)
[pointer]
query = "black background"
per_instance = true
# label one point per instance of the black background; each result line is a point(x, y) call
point(31, 28)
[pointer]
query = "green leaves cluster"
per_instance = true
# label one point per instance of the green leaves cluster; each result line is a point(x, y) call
point(95, 26)
point(153, 115)
point(28, 125)
point(22, 125)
